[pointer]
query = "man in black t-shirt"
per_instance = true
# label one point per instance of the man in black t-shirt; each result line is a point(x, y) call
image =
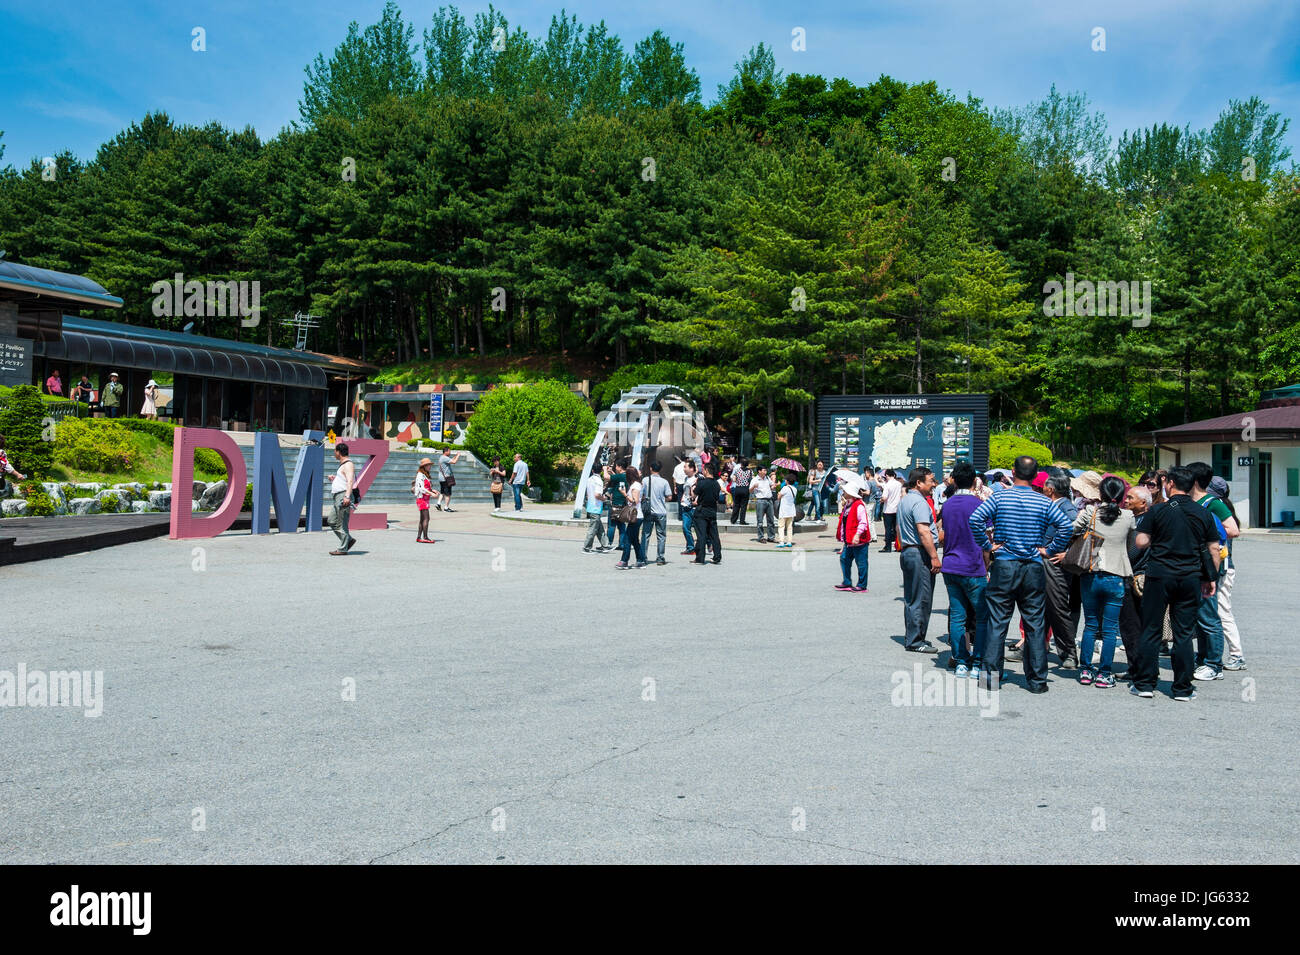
point(707, 492)
point(1181, 567)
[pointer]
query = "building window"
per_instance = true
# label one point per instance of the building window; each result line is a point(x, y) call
point(1221, 460)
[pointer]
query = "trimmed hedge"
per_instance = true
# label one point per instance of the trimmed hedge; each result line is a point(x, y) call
point(1005, 448)
point(90, 445)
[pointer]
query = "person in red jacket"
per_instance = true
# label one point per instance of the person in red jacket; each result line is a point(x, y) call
point(854, 530)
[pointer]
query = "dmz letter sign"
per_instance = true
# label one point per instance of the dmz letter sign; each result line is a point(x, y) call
point(272, 489)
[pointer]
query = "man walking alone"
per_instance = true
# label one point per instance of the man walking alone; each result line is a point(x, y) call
point(341, 484)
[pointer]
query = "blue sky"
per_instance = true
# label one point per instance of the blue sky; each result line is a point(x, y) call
point(73, 74)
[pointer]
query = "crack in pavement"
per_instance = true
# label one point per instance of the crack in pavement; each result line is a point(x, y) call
point(722, 825)
point(546, 789)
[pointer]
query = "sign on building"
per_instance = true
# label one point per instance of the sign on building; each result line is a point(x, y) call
point(15, 362)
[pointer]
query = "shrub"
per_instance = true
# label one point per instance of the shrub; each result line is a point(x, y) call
point(109, 504)
point(248, 498)
point(22, 422)
point(1005, 448)
point(539, 421)
point(90, 445)
point(39, 504)
point(164, 431)
point(209, 462)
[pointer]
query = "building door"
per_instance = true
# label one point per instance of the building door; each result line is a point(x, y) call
point(1264, 495)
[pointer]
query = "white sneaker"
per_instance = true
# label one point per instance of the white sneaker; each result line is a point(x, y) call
point(1204, 672)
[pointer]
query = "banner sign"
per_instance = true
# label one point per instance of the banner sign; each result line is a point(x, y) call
point(435, 416)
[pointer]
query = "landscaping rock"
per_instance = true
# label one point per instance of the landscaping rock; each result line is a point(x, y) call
point(199, 488)
point(566, 490)
point(160, 500)
point(7, 491)
point(86, 489)
point(57, 497)
point(84, 505)
point(13, 508)
point(142, 507)
point(135, 487)
point(214, 495)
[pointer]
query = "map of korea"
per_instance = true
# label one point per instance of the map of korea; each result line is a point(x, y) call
point(893, 443)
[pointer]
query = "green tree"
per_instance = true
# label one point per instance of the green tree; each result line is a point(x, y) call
point(24, 426)
point(658, 74)
point(367, 66)
point(540, 421)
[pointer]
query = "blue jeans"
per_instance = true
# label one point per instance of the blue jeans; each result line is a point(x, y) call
point(849, 556)
point(518, 490)
point(966, 603)
point(819, 504)
point(622, 532)
point(1016, 584)
point(659, 524)
point(1103, 596)
point(688, 521)
point(631, 540)
point(1209, 631)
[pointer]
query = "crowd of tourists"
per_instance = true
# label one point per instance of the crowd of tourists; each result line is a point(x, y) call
point(706, 489)
point(1148, 567)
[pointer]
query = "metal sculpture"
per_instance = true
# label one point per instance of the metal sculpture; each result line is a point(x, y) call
point(647, 423)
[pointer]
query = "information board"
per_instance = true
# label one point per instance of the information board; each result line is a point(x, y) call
point(904, 431)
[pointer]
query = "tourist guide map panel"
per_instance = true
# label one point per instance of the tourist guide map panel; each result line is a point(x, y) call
point(905, 431)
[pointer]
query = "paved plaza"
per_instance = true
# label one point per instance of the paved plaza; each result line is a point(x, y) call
point(518, 701)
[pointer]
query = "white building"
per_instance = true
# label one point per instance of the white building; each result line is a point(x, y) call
point(1256, 452)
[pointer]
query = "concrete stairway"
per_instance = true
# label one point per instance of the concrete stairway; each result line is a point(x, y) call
point(393, 483)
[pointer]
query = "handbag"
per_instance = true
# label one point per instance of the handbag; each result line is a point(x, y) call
point(1081, 554)
point(627, 514)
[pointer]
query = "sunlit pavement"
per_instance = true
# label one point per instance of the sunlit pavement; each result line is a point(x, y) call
point(501, 697)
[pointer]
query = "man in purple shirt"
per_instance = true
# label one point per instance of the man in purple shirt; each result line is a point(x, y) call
point(963, 573)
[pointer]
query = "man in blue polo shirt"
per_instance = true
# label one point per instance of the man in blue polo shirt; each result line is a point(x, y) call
point(1026, 528)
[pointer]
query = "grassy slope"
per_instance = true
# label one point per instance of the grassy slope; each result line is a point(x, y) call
point(155, 465)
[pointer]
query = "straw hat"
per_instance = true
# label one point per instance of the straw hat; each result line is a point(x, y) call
point(424, 461)
point(1088, 485)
